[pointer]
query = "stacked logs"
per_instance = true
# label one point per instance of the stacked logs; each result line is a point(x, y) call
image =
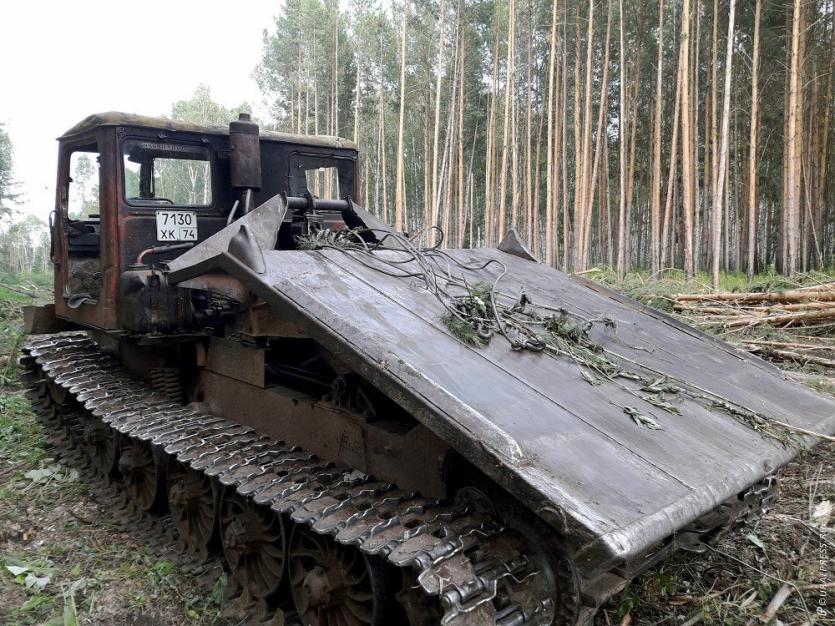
point(794, 325)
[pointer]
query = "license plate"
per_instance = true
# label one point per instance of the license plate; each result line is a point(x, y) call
point(176, 226)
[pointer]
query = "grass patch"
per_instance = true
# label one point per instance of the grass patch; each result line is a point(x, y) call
point(657, 291)
point(16, 291)
point(51, 528)
point(20, 436)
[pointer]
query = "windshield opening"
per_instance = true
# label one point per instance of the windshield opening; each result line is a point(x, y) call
point(167, 174)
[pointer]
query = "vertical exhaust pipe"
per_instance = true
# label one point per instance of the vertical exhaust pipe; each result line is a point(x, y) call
point(245, 159)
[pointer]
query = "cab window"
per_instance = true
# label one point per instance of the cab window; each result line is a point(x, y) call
point(83, 183)
point(320, 175)
point(158, 174)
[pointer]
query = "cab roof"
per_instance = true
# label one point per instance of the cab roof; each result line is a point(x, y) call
point(115, 118)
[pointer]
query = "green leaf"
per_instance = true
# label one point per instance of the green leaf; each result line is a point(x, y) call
point(640, 419)
point(218, 590)
point(661, 385)
point(34, 602)
point(70, 612)
point(36, 583)
point(589, 378)
point(662, 404)
point(40, 475)
point(755, 540)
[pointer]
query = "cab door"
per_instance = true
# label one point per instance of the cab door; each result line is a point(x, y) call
point(83, 229)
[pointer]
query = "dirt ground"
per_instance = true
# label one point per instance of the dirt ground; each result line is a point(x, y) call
point(63, 561)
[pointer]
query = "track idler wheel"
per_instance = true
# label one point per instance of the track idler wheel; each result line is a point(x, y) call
point(421, 609)
point(336, 585)
point(102, 446)
point(191, 502)
point(253, 544)
point(142, 474)
point(59, 395)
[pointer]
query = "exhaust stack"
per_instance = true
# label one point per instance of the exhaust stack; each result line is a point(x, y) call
point(245, 158)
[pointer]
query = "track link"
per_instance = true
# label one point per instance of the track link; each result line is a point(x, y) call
point(462, 560)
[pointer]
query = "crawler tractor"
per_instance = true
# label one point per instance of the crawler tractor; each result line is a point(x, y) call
point(367, 428)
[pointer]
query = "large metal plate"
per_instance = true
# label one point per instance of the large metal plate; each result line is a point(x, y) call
point(562, 446)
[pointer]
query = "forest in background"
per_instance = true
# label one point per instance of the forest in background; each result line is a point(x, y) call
point(483, 115)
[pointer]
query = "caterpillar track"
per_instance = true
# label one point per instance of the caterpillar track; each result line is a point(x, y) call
point(446, 563)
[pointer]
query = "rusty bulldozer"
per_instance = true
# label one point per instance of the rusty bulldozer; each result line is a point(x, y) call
point(367, 429)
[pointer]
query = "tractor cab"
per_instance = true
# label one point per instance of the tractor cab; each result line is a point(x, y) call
point(135, 189)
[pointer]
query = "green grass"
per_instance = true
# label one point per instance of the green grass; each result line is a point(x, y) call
point(658, 292)
point(16, 291)
point(88, 560)
point(20, 436)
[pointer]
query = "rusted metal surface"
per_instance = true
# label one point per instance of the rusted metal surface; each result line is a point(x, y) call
point(530, 421)
point(40, 319)
point(115, 118)
point(220, 284)
point(112, 240)
point(245, 157)
point(414, 457)
point(260, 320)
point(235, 360)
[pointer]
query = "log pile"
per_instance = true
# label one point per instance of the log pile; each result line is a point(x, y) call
point(796, 325)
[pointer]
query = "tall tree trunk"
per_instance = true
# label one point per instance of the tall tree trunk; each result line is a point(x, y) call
point(753, 197)
point(607, 212)
point(687, 165)
point(622, 139)
point(823, 146)
point(529, 131)
point(714, 113)
point(582, 195)
point(601, 137)
point(462, 184)
point(436, 129)
point(793, 145)
point(400, 192)
point(550, 176)
point(566, 229)
point(470, 184)
point(695, 126)
point(719, 196)
point(633, 135)
point(669, 222)
point(515, 201)
point(447, 160)
point(357, 107)
point(335, 116)
point(578, 139)
point(536, 226)
point(655, 193)
point(382, 149)
point(490, 165)
point(506, 148)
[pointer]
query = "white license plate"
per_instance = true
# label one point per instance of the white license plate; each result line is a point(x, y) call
point(176, 226)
